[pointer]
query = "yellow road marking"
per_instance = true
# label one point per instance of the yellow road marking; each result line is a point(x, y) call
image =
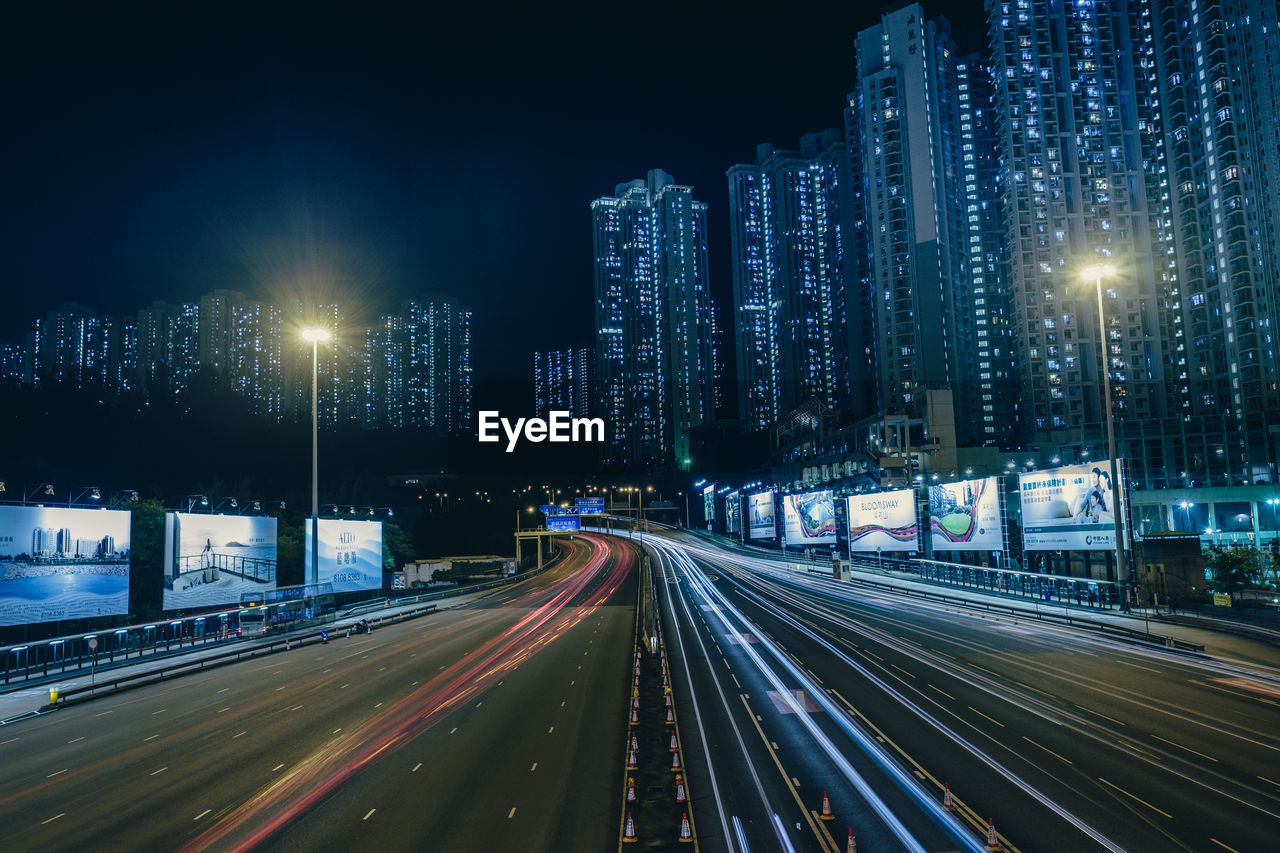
point(1047, 749)
point(1132, 797)
point(1187, 748)
point(943, 692)
point(980, 714)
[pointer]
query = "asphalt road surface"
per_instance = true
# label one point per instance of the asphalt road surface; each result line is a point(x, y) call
point(477, 728)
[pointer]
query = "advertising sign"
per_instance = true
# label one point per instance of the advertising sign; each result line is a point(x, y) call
point(213, 559)
point(1070, 508)
point(564, 522)
point(733, 512)
point(809, 519)
point(709, 505)
point(885, 521)
point(590, 506)
point(965, 516)
point(62, 563)
point(350, 555)
point(763, 525)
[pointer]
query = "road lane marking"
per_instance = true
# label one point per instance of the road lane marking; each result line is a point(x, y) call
point(1224, 846)
point(795, 781)
point(344, 686)
point(76, 739)
point(222, 710)
point(1103, 716)
point(1187, 748)
point(1132, 797)
point(1046, 749)
point(452, 730)
point(534, 767)
point(52, 819)
point(481, 702)
point(158, 772)
point(56, 773)
point(562, 704)
point(103, 714)
point(236, 736)
point(335, 731)
point(898, 668)
point(10, 740)
point(224, 690)
point(277, 767)
point(550, 730)
point(980, 714)
point(943, 692)
point(295, 708)
point(281, 687)
point(511, 813)
point(1263, 778)
point(415, 768)
point(161, 711)
point(153, 737)
point(368, 814)
point(1139, 666)
point(202, 814)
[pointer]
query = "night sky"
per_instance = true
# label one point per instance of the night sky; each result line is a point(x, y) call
point(370, 154)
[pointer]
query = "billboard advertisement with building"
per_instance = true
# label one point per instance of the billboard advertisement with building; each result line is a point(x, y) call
point(709, 505)
point(1071, 508)
point(885, 521)
point(760, 515)
point(350, 555)
point(211, 560)
point(62, 563)
point(733, 512)
point(965, 516)
point(809, 519)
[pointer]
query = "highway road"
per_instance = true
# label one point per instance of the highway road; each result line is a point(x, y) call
point(477, 728)
point(1069, 741)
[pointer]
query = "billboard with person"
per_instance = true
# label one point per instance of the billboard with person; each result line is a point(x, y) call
point(709, 505)
point(809, 519)
point(210, 560)
point(733, 512)
point(350, 555)
point(965, 516)
point(885, 521)
point(1071, 508)
point(762, 524)
point(62, 563)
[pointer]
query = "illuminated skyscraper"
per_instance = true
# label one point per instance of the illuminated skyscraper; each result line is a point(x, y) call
point(655, 356)
point(561, 382)
point(437, 365)
point(788, 273)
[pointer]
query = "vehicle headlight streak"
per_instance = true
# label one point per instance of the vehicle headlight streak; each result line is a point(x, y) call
point(709, 594)
point(842, 719)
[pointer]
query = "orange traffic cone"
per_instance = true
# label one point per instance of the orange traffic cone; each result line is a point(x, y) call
point(675, 761)
point(635, 716)
point(631, 789)
point(946, 798)
point(635, 702)
point(852, 847)
point(993, 843)
point(826, 808)
point(680, 795)
point(671, 720)
point(634, 743)
point(631, 760)
point(668, 697)
point(686, 834)
point(673, 746)
point(629, 834)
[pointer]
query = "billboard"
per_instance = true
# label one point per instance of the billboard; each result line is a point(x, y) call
point(211, 560)
point(733, 512)
point(965, 516)
point(709, 505)
point(809, 519)
point(350, 555)
point(885, 521)
point(564, 522)
point(62, 563)
point(1068, 508)
point(760, 516)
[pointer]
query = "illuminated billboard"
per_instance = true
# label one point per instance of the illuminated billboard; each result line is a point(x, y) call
point(1071, 508)
point(709, 505)
point(809, 519)
point(760, 516)
point(885, 521)
point(211, 560)
point(965, 516)
point(733, 513)
point(350, 555)
point(62, 563)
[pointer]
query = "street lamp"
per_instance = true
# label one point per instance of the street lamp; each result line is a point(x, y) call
point(1186, 509)
point(315, 335)
point(1096, 273)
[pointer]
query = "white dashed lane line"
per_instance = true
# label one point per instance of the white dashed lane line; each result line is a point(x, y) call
point(368, 814)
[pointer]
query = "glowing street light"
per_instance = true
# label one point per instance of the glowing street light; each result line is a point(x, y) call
point(315, 335)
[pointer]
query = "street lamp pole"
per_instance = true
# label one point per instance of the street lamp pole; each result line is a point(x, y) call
point(315, 335)
point(1097, 272)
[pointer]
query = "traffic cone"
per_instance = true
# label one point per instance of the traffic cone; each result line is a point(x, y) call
point(629, 834)
point(686, 834)
point(671, 720)
point(673, 746)
point(631, 760)
point(634, 743)
point(635, 702)
point(635, 717)
point(946, 798)
point(826, 808)
point(675, 762)
point(852, 846)
point(668, 695)
point(680, 795)
point(993, 843)
point(631, 789)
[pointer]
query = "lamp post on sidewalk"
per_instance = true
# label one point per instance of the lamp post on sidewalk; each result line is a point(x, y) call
point(315, 335)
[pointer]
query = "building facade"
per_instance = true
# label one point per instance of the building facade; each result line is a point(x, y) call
point(562, 382)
